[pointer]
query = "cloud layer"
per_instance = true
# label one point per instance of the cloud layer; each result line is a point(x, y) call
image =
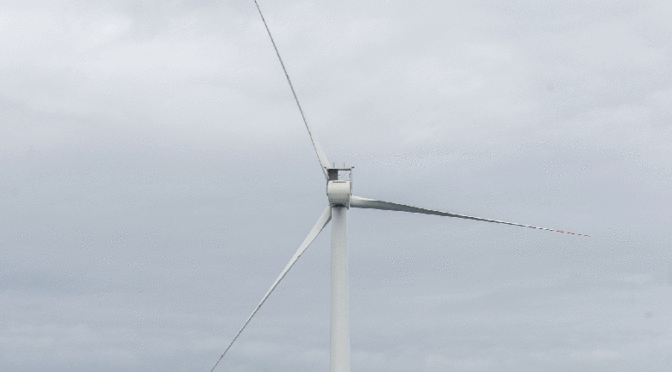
point(156, 178)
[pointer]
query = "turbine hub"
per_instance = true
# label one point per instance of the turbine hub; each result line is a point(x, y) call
point(339, 186)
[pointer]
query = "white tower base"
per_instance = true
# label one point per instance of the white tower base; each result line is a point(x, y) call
point(340, 308)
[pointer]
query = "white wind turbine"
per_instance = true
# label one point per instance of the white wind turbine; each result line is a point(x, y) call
point(339, 195)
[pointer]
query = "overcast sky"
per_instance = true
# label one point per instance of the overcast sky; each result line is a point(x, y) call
point(155, 178)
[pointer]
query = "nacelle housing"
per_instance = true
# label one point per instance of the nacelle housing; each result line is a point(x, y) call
point(339, 186)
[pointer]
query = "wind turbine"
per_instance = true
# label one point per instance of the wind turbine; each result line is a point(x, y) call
point(340, 198)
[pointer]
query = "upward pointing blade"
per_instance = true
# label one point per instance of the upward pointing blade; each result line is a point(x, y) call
point(321, 223)
point(358, 202)
point(318, 149)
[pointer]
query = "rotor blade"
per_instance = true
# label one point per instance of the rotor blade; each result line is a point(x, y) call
point(358, 202)
point(318, 149)
point(321, 223)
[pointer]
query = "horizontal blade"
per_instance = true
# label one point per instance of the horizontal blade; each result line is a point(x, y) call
point(358, 202)
point(321, 223)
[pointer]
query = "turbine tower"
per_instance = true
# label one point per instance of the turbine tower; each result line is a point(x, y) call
point(340, 198)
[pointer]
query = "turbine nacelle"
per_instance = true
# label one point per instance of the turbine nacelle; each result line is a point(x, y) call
point(339, 186)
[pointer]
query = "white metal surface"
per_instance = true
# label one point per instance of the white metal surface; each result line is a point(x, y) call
point(340, 305)
point(357, 202)
point(321, 223)
point(339, 193)
point(324, 162)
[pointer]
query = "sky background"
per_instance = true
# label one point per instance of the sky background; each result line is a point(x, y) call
point(156, 177)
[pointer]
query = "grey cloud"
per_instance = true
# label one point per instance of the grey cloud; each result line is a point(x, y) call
point(156, 178)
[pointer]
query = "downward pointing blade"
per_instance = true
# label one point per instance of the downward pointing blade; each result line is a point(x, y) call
point(358, 202)
point(321, 223)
